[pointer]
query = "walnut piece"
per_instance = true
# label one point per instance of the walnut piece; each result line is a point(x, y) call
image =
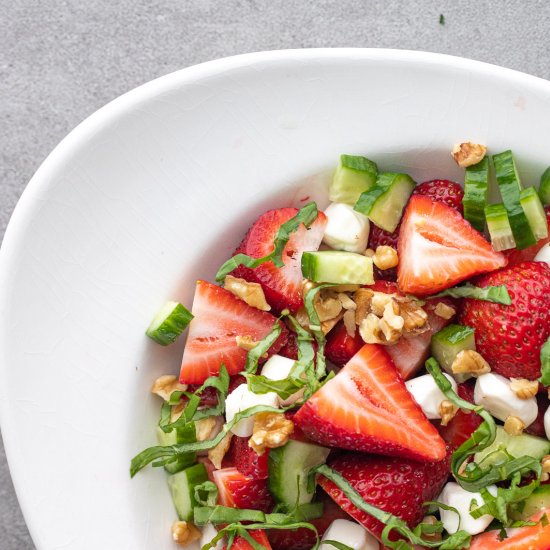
point(346, 301)
point(444, 311)
point(177, 410)
point(468, 153)
point(391, 323)
point(217, 453)
point(327, 306)
point(414, 316)
point(271, 430)
point(165, 385)
point(327, 326)
point(385, 257)
point(184, 533)
point(447, 411)
point(362, 297)
point(523, 388)
point(379, 302)
point(469, 361)
point(251, 293)
point(209, 427)
point(349, 322)
point(514, 425)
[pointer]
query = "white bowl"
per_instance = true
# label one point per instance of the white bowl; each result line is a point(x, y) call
point(154, 191)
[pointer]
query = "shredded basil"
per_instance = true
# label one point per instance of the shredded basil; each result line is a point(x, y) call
point(545, 363)
point(497, 294)
point(306, 216)
point(209, 490)
point(261, 348)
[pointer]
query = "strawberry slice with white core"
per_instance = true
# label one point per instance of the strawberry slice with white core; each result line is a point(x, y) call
point(366, 407)
point(219, 317)
point(438, 248)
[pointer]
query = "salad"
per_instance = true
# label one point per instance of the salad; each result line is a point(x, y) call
point(372, 376)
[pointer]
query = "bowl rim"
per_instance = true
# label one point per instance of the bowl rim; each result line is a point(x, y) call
point(41, 181)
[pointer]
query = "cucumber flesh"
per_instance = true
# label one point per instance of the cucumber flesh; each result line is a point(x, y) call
point(288, 471)
point(544, 187)
point(499, 227)
point(384, 203)
point(514, 445)
point(334, 266)
point(187, 434)
point(448, 343)
point(169, 323)
point(530, 202)
point(538, 501)
point(182, 486)
point(476, 185)
point(353, 176)
point(510, 188)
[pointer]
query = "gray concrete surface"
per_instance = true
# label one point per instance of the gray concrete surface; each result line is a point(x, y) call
point(60, 60)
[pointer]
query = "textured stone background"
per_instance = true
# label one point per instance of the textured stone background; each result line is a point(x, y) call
point(60, 60)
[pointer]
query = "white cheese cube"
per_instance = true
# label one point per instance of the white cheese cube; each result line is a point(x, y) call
point(547, 422)
point(494, 394)
point(457, 497)
point(240, 399)
point(543, 255)
point(208, 533)
point(427, 394)
point(278, 367)
point(350, 533)
point(346, 229)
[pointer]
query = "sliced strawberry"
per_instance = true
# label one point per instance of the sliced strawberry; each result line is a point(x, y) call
point(516, 256)
point(246, 460)
point(209, 396)
point(340, 347)
point(444, 191)
point(239, 491)
point(366, 407)
point(438, 248)
point(396, 485)
point(219, 317)
point(282, 286)
point(290, 349)
point(241, 544)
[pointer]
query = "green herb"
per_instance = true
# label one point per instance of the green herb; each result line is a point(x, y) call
point(306, 216)
point(497, 294)
point(339, 545)
point(261, 348)
point(441, 19)
point(545, 363)
point(206, 494)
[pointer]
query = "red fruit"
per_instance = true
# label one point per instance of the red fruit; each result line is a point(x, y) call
point(246, 460)
point(290, 349)
point(510, 337)
point(241, 544)
point(366, 407)
point(219, 317)
point(209, 396)
point(537, 427)
point(516, 256)
point(396, 485)
point(445, 191)
point(239, 491)
point(282, 286)
point(340, 347)
point(438, 248)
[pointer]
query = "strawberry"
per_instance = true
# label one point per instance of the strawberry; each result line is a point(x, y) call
point(340, 347)
point(537, 427)
point(445, 191)
point(528, 254)
point(282, 286)
point(239, 491)
point(438, 248)
point(209, 396)
point(366, 407)
point(242, 544)
point(510, 337)
point(290, 349)
point(396, 485)
point(246, 460)
point(219, 317)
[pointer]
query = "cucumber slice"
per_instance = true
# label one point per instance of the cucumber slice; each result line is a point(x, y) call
point(169, 323)
point(182, 486)
point(510, 188)
point(544, 187)
point(538, 501)
point(186, 434)
point(353, 176)
point(288, 471)
point(514, 445)
point(530, 202)
point(335, 266)
point(476, 186)
point(499, 227)
point(448, 343)
point(384, 203)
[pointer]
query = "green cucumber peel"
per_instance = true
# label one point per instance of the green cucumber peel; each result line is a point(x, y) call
point(544, 187)
point(338, 545)
point(496, 294)
point(306, 216)
point(172, 319)
point(476, 186)
point(261, 348)
point(545, 363)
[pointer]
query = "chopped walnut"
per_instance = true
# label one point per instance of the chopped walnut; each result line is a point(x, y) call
point(217, 453)
point(391, 323)
point(444, 311)
point(346, 301)
point(165, 385)
point(302, 318)
point(362, 297)
point(447, 411)
point(468, 153)
point(209, 427)
point(385, 257)
point(514, 425)
point(176, 411)
point(469, 361)
point(379, 301)
point(327, 326)
point(349, 322)
point(415, 318)
point(370, 330)
point(307, 285)
point(251, 293)
point(184, 533)
point(523, 388)
point(327, 308)
point(271, 430)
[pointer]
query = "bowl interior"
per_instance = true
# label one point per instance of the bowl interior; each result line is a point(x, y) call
point(155, 191)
